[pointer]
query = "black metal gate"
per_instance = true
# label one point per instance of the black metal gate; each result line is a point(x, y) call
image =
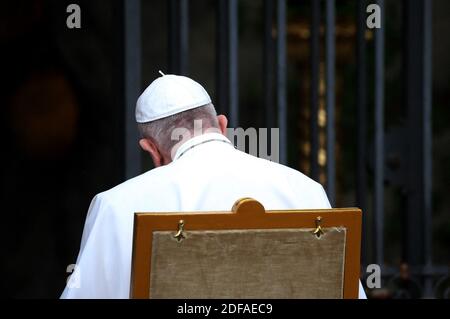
point(417, 271)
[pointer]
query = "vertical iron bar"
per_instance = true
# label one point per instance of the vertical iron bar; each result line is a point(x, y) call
point(315, 60)
point(178, 36)
point(281, 79)
point(268, 65)
point(379, 141)
point(173, 41)
point(361, 109)
point(419, 104)
point(222, 75)
point(184, 37)
point(427, 138)
point(233, 63)
point(414, 100)
point(132, 56)
point(330, 98)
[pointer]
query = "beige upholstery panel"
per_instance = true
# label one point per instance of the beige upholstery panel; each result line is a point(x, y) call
point(277, 263)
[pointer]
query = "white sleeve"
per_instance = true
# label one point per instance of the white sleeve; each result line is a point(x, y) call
point(324, 198)
point(362, 293)
point(98, 270)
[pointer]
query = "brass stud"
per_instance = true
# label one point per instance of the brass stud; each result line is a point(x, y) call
point(318, 231)
point(180, 233)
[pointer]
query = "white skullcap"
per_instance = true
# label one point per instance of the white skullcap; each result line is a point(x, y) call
point(167, 95)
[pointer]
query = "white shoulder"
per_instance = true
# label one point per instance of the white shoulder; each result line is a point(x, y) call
point(291, 174)
point(302, 185)
point(133, 186)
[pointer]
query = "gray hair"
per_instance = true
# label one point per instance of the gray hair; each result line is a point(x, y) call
point(160, 131)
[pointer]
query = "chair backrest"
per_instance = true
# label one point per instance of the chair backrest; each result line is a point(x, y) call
point(247, 253)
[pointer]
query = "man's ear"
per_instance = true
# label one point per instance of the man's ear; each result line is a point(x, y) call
point(151, 148)
point(223, 122)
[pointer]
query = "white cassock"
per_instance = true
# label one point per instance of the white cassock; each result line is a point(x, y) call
point(207, 173)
